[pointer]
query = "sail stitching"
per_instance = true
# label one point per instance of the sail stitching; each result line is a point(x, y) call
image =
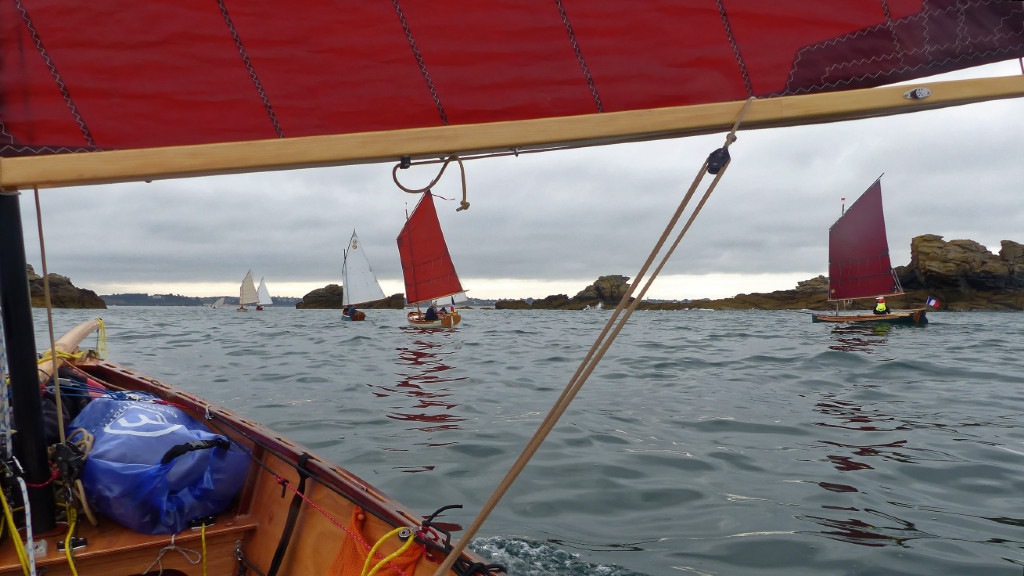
point(419, 61)
point(55, 74)
point(735, 49)
point(252, 70)
point(925, 16)
point(579, 55)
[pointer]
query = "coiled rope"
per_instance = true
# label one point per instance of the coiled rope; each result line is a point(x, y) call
point(716, 164)
point(464, 205)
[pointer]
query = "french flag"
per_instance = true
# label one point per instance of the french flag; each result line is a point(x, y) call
point(932, 302)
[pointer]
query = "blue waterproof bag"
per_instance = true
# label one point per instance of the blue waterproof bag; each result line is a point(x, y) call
point(153, 468)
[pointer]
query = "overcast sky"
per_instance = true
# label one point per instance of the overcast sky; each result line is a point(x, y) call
point(552, 223)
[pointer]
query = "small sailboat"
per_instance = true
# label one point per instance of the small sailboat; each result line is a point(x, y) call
point(218, 304)
point(263, 296)
point(247, 292)
point(859, 265)
point(427, 266)
point(359, 283)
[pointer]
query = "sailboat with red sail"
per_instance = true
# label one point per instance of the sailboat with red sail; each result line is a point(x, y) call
point(859, 265)
point(427, 267)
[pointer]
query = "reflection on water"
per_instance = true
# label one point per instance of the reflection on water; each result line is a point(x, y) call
point(883, 530)
point(423, 380)
point(865, 338)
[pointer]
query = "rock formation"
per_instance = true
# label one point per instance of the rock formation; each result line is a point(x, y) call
point(606, 291)
point(63, 294)
point(330, 297)
point(961, 274)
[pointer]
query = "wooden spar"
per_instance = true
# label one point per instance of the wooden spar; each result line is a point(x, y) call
point(62, 170)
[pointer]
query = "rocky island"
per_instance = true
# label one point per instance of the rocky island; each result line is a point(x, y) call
point(961, 274)
point(63, 294)
point(330, 297)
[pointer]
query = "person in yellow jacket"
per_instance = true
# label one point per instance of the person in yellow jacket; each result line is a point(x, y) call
point(880, 307)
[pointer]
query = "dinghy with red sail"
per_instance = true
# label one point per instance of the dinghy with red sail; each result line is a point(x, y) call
point(427, 267)
point(859, 265)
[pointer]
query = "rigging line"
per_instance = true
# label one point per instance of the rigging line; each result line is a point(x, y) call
point(463, 205)
point(45, 55)
point(49, 319)
point(420, 62)
point(252, 70)
point(626, 306)
point(735, 48)
point(579, 56)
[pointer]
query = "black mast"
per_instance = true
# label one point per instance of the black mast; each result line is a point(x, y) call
point(19, 335)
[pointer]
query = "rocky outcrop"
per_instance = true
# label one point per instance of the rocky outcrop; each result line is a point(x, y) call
point(963, 265)
point(961, 274)
point(606, 291)
point(63, 294)
point(330, 297)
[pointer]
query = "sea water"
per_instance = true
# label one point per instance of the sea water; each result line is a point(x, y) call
point(706, 442)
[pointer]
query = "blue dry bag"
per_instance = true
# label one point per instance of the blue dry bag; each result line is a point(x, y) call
point(153, 468)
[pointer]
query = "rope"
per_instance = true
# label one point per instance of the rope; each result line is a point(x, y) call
point(408, 542)
point(191, 556)
point(19, 546)
point(49, 313)
point(611, 330)
point(464, 205)
point(72, 517)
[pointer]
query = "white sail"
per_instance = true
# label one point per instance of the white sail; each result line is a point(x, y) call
point(247, 292)
point(218, 303)
point(263, 295)
point(359, 284)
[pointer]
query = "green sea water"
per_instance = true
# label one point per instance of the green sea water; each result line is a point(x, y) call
point(716, 443)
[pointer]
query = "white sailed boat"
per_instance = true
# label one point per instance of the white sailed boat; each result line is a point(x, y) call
point(263, 296)
point(247, 292)
point(129, 92)
point(218, 304)
point(359, 283)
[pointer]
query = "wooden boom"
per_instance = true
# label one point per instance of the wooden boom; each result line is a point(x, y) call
point(62, 170)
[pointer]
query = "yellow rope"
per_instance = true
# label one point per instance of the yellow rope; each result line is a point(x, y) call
point(19, 546)
point(204, 548)
point(389, 558)
point(72, 517)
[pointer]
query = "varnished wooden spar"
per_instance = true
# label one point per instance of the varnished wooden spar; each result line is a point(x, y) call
point(585, 130)
point(334, 500)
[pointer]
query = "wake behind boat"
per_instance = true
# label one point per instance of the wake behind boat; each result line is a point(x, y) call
point(859, 265)
point(359, 283)
point(427, 267)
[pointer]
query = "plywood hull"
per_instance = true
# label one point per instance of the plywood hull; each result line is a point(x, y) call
point(447, 321)
point(324, 519)
point(917, 316)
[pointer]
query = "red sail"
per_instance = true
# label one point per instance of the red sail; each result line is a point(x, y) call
point(858, 252)
point(79, 75)
point(426, 264)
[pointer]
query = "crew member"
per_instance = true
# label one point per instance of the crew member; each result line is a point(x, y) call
point(880, 307)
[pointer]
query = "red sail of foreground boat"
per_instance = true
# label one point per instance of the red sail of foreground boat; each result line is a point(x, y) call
point(113, 91)
point(859, 265)
point(427, 265)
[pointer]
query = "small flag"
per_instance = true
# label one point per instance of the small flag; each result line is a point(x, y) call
point(453, 303)
point(932, 302)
